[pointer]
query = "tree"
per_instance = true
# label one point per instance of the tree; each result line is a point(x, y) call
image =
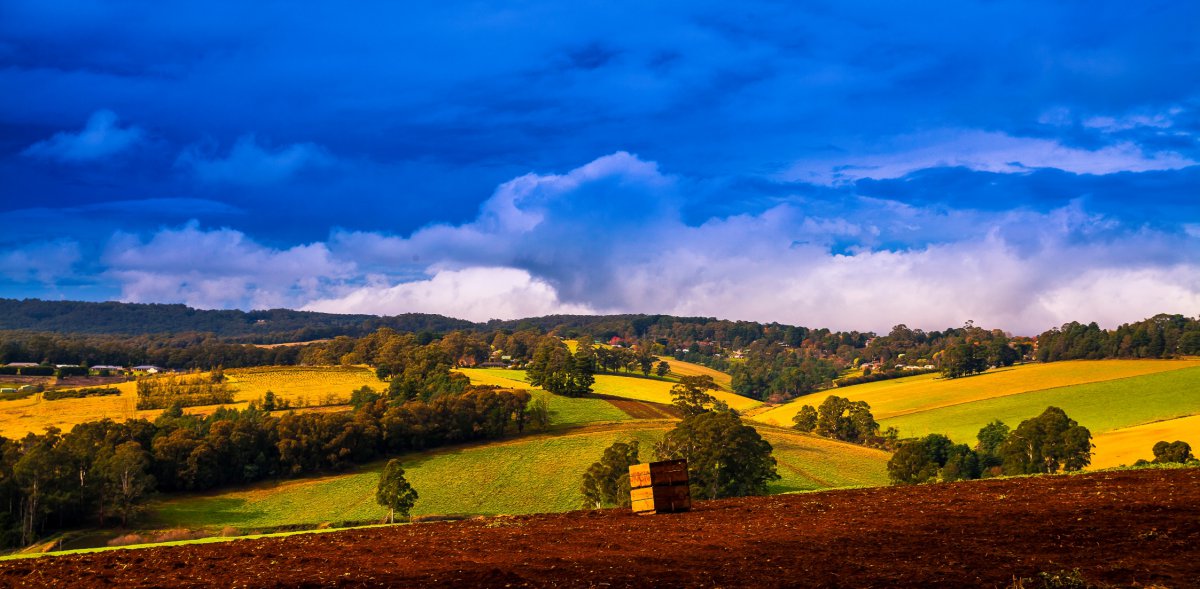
point(691, 396)
point(125, 471)
point(1046, 444)
point(606, 482)
point(805, 419)
point(842, 419)
point(555, 369)
point(991, 437)
point(394, 492)
point(962, 360)
point(1177, 451)
point(725, 457)
point(662, 368)
point(920, 460)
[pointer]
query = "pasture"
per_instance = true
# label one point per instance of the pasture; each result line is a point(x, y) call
point(531, 474)
point(1127, 445)
point(1101, 407)
point(917, 394)
point(303, 385)
point(680, 368)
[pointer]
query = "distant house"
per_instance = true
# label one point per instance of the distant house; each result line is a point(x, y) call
point(147, 369)
point(109, 368)
point(615, 341)
point(22, 364)
point(66, 366)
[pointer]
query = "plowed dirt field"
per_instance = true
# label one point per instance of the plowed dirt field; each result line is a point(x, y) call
point(1133, 528)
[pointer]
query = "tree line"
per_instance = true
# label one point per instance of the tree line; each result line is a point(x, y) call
point(1160, 336)
point(102, 471)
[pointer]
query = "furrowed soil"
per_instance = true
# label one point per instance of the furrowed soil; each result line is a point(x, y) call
point(1121, 528)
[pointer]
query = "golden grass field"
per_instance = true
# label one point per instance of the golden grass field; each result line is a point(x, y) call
point(629, 387)
point(1127, 445)
point(306, 385)
point(681, 368)
point(310, 384)
point(902, 396)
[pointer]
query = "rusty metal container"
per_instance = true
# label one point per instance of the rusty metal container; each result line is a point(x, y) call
point(659, 487)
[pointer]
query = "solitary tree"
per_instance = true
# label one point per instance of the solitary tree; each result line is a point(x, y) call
point(394, 492)
point(846, 420)
point(662, 368)
point(725, 457)
point(607, 482)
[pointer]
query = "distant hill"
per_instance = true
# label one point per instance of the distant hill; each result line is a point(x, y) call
point(275, 325)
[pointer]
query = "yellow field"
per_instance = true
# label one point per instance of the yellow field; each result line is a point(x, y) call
point(1127, 445)
point(681, 368)
point(300, 384)
point(311, 385)
point(902, 396)
point(629, 387)
point(32, 414)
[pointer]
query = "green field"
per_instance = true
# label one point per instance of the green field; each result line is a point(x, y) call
point(629, 387)
point(1101, 407)
point(568, 411)
point(893, 398)
point(527, 475)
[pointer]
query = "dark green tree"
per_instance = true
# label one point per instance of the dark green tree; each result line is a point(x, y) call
point(919, 461)
point(1177, 451)
point(1046, 444)
point(726, 458)
point(963, 359)
point(662, 368)
point(806, 419)
point(691, 396)
point(842, 419)
point(991, 437)
point(606, 482)
point(394, 492)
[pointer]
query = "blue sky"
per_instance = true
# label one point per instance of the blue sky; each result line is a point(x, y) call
point(848, 164)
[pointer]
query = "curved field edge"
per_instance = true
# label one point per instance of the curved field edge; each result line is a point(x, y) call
point(630, 387)
point(532, 474)
point(916, 394)
point(1128, 445)
point(1101, 407)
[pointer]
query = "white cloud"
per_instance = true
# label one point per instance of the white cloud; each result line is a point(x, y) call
point(476, 294)
point(218, 269)
point(981, 151)
point(249, 163)
point(45, 262)
point(101, 137)
point(609, 237)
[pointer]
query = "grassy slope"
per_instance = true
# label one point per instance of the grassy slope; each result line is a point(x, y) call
point(892, 398)
point(1127, 445)
point(527, 475)
point(641, 389)
point(681, 368)
point(1101, 407)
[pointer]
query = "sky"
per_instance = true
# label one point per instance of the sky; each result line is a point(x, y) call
point(851, 165)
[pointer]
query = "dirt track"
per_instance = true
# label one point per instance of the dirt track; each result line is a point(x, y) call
point(1137, 528)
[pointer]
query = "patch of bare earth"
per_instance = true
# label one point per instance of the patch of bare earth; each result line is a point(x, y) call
point(1135, 528)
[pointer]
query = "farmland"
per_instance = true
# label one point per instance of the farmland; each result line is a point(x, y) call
point(311, 385)
point(539, 473)
point(892, 398)
point(680, 368)
point(630, 387)
point(1127, 445)
point(1130, 528)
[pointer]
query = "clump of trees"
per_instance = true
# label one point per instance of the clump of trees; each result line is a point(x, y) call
point(777, 373)
point(1160, 336)
point(103, 469)
point(557, 370)
point(726, 458)
point(1177, 452)
point(1047, 443)
point(839, 418)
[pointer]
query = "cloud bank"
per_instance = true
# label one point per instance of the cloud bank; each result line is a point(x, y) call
point(100, 138)
point(609, 236)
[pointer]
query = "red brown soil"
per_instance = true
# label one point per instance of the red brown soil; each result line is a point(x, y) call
point(643, 409)
point(1138, 528)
